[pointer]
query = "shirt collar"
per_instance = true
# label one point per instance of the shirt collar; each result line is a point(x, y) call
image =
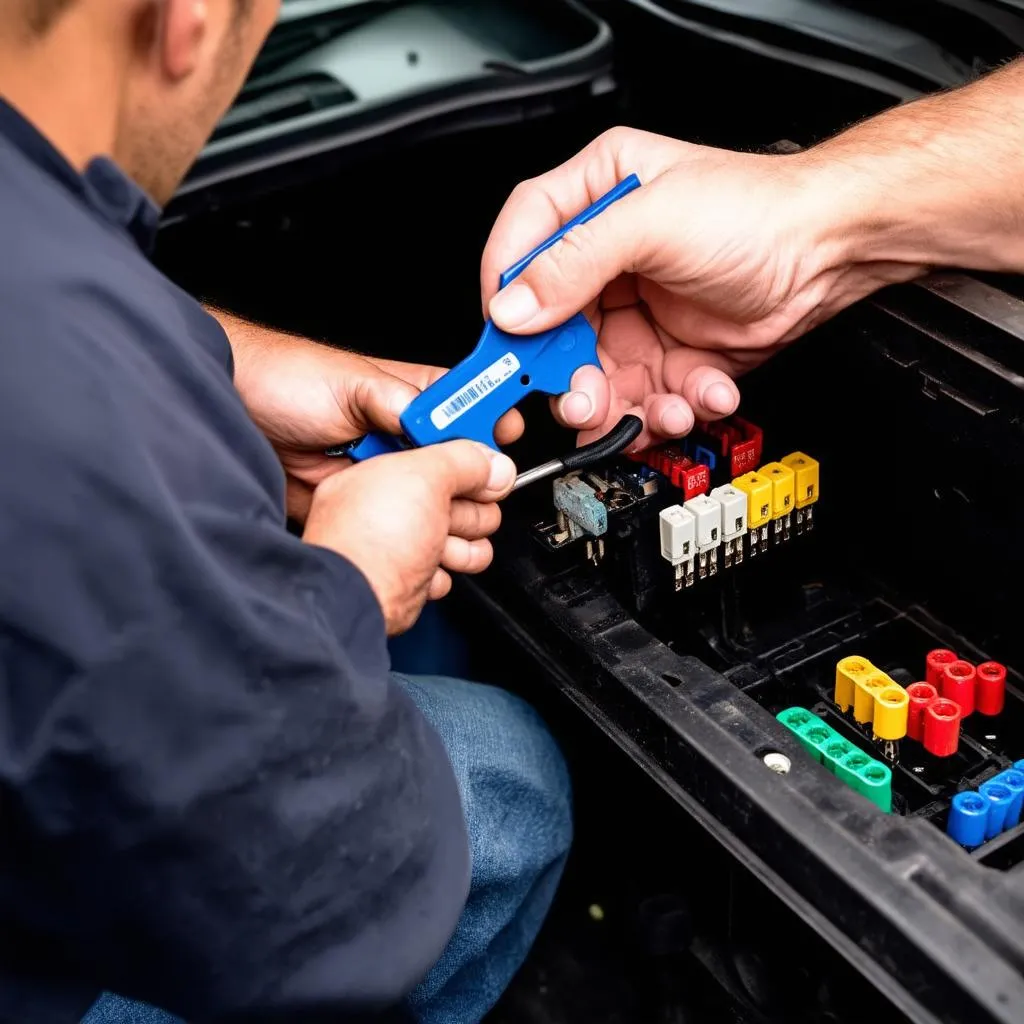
point(103, 186)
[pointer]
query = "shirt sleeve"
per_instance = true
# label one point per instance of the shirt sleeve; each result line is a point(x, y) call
point(214, 797)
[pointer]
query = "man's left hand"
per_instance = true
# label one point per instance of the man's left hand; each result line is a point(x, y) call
point(306, 396)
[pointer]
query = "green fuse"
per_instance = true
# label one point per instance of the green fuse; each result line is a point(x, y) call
point(796, 719)
point(835, 751)
point(876, 784)
point(816, 736)
point(849, 769)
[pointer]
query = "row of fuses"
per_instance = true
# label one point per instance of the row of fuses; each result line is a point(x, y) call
point(976, 816)
point(930, 711)
point(692, 532)
point(849, 764)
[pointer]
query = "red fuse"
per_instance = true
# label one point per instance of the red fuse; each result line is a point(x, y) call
point(958, 685)
point(935, 663)
point(745, 455)
point(921, 695)
point(942, 727)
point(692, 478)
point(990, 688)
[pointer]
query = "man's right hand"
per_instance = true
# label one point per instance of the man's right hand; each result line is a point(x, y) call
point(406, 520)
point(718, 260)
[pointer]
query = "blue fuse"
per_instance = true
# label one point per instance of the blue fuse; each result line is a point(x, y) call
point(1013, 780)
point(999, 799)
point(968, 819)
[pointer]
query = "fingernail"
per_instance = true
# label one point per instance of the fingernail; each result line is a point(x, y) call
point(676, 420)
point(575, 408)
point(514, 306)
point(503, 472)
point(719, 398)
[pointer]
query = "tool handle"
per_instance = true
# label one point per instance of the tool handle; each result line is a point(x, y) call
point(624, 187)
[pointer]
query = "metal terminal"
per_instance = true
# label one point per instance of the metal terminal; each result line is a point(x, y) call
point(778, 763)
point(891, 750)
point(680, 575)
point(787, 525)
point(713, 562)
point(538, 473)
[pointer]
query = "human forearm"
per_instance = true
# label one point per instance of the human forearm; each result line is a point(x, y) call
point(936, 182)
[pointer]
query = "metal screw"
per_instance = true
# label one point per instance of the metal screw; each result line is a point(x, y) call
point(778, 763)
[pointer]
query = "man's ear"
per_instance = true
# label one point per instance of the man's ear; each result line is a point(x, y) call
point(183, 26)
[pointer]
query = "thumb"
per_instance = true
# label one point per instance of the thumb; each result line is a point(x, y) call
point(565, 278)
point(464, 469)
point(374, 399)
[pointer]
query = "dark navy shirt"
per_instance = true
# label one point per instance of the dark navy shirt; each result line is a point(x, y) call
point(212, 796)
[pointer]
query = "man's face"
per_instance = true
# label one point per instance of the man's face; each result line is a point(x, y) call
point(191, 59)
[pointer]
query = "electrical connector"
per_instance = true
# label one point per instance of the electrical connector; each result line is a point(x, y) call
point(848, 671)
point(758, 490)
point(968, 820)
point(867, 776)
point(745, 454)
point(805, 492)
point(1000, 799)
point(795, 719)
point(934, 664)
point(892, 704)
point(874, 781)
point(869, 685)
point(942, 727)
point(733, 503)
point(816, 734)
point(678, 542)
point(957, 684)
point(580, 511)
point(708, 515)
point(783, 481)
point(848, 769)
point(1013, 780)
point(921, 695)
point(990, 688)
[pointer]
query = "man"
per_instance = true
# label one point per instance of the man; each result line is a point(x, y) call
point(722, 258)
point(215, 798)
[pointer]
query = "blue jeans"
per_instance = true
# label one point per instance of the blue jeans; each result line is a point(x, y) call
point(515, 795)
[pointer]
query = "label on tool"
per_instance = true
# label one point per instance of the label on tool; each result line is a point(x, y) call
point(462, 401)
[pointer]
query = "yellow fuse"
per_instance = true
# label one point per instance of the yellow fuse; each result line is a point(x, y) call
point(848, 671)
point(868, 684)
point(806, 489)
point(783, 482)
point(891, 707)
point(758, 490)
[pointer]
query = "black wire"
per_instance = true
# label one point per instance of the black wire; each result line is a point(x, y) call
point(616, 440)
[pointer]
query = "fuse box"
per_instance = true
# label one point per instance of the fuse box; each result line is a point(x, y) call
point(847, 681)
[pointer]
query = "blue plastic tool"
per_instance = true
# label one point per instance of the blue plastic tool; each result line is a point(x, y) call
point(968, 819)
point(469, 399)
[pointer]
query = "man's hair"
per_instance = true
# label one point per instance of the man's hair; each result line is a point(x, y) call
point(41, 14)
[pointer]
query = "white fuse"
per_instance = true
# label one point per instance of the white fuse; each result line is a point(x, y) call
point(678, 542)
point(708, 514)
point(734, 521)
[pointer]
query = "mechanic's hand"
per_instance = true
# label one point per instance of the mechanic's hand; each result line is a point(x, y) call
point(406, 520)
point(306, 397)
point(715, 263)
